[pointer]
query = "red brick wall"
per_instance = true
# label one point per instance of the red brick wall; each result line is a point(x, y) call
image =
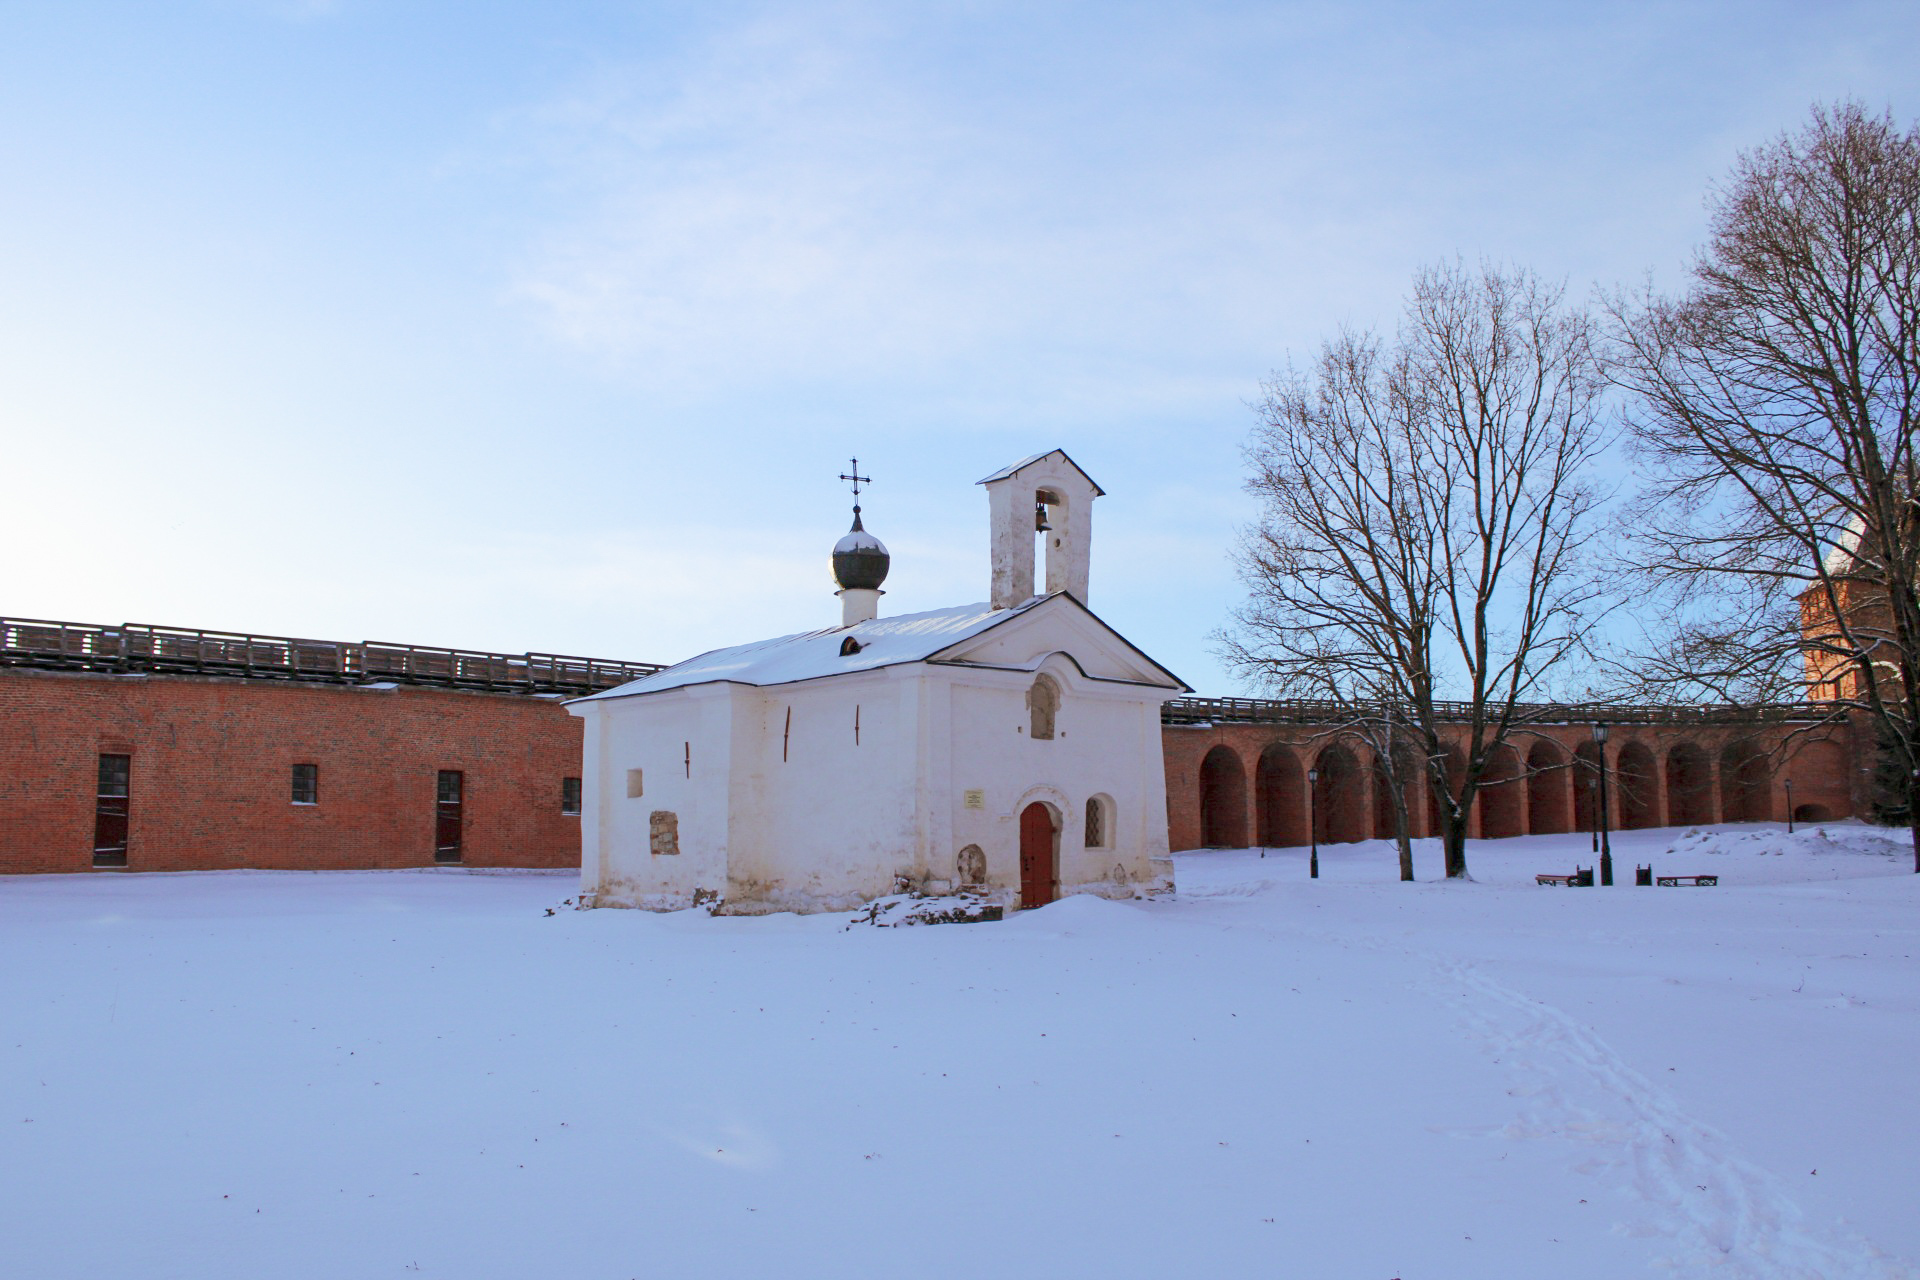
point(212, 766)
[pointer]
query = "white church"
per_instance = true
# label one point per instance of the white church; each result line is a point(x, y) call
point(1010, 748)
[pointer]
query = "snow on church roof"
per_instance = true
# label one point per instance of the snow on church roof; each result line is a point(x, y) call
point(884, 642)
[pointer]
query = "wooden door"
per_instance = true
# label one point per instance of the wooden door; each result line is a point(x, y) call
point(111, 811)
point(1039, 878)
point(446, 818)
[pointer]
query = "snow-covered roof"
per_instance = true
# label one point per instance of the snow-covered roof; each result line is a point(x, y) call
point(884, 642)
point(1024, 463)
point(806, 655)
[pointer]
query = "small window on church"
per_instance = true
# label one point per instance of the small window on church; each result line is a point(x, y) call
point(570, 796)
point(1096, 823)
point(849, 647)
point(635, 785)
point(1043, 701)
point(306, 784)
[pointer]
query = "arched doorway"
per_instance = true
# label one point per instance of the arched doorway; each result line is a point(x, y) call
point(1280, 798)
point(1503, 796)
point(1339, 798)
point(1223, 800)
point(1633, 771)
point(1745, 784)
point(1689, 788)
point(1547, 790)
point(1039, 855)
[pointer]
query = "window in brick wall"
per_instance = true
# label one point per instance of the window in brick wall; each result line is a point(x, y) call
point(112, 811)
point(570, 796)
point(450, 799)
point(306, 784)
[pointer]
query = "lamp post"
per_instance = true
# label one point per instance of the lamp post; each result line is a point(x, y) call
point(1313, 827)
point(1606, 848)
point(1789, 806)
point(1593, 808)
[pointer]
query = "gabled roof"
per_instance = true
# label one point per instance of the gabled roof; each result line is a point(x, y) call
point(884, 642)
point(1024, 463)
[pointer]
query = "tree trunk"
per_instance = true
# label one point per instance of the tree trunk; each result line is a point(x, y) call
point(1454, 838)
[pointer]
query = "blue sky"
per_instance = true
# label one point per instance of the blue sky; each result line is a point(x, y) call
point(550, 325)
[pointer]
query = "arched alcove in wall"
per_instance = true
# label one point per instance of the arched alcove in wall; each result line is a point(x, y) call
point(1549, 789)
point(1223, 800)
point(1745, 783)
point(1634, 775)
point(1280, 797)
point(1339, 797)
point(1503, 796)
point(1689, 785)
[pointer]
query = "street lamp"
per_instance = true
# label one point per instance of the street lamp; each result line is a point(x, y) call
point(1606, 848)
point(1593, 807)
point(1789, 806)
point(1313, 827)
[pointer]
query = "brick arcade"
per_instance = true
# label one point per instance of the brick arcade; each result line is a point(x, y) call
point(1237, 773)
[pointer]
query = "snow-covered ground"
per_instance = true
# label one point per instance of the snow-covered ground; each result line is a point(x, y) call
point(422, 1073)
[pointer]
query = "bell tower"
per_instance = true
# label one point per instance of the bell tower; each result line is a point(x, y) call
point(1049, 497)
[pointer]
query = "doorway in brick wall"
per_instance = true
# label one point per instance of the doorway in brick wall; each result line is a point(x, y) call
point(450, 798)
point(112, 810)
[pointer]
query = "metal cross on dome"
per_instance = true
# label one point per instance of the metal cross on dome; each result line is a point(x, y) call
point(857, 480)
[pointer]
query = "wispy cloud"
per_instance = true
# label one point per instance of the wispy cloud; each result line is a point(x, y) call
point(797, 203)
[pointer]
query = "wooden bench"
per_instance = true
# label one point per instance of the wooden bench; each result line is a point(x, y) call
point(1677, 881)
point(1581, 877)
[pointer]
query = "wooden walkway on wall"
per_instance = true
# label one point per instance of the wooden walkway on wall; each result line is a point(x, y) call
point(1306, 711)
point(131, 647)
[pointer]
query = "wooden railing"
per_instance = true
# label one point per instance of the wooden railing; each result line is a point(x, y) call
point(1202, 711)
point(131, 646)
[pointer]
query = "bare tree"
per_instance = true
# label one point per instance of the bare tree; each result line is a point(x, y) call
point(1775, 410)
point(1426, 504)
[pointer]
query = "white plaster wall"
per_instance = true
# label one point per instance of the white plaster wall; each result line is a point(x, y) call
point(828, 823)
point(655, 734)
point(1106, 742)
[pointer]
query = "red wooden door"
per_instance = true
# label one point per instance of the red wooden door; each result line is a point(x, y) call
point(446, 819)
point(1038, 879)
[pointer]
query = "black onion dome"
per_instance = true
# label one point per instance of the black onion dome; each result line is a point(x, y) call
point(860, 561)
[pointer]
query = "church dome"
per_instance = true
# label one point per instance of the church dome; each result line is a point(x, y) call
point(860, 561)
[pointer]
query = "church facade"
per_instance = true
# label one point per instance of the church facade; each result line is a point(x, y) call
point(1010, 748)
